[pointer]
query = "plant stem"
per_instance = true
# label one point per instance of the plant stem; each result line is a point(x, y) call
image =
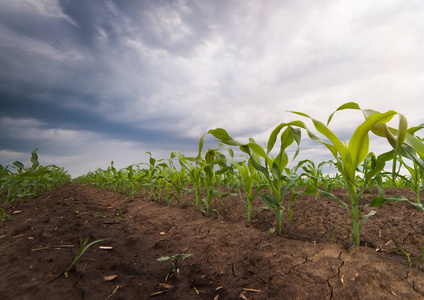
point(249, 210)
point(356, 227)
point(354, 201)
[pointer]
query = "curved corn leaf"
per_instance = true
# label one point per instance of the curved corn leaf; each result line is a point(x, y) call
point(349, 105)
point(34, 159)
point(359, 143)
point(365, 219)
point(257, 149)
point(223, 136)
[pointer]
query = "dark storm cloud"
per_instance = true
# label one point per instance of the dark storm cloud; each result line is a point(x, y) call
point(60, 117)
point(22, 20)
point(110, 77)
point(80, 59)
point(67, 87)
point(147, 21)
point(85, 50)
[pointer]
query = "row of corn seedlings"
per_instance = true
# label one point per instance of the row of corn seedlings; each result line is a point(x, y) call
point(24, 182)
point(348, 158)
point(265, 168)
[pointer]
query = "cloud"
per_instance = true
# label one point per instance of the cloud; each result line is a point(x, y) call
point(77, 151)
point(159, 74)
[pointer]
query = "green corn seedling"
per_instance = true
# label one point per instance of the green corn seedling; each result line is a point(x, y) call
point(212, 158)
point(84, 245)
point(349, 157)
point(410, 258)
point(192, 165)
point(27, 181)
point(154, 179)
point(247, 175)
point(273, 167)
point(166, 173)
point(415, 180)
point(369, 164)
point(203, 174)
point(415, 183)
point(178, 179)
point(174, 260)
point(312, 173)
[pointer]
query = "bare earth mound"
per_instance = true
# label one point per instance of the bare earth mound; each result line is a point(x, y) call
point(313, 259)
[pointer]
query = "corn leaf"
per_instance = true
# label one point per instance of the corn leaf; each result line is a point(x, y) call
point(349, 105)
point(222, 135)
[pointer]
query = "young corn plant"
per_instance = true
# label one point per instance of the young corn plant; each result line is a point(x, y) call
point(173, 180)
point(84, 245)
point(230, 178)
point(4, 173)
point(192, 165)
point(411, 260)
point(27, 181)
point(212, 159)
point(247, 175)
point(312, 173)
point(179, 180)
point(411, 147)
point(273, 168)
point(154, 178)
point(174, 260)
point(416, 181)
point(349, 157)
point(129, 180)
point(138, 180)
point(203, 173)
point(166, 175)
point(369, 164)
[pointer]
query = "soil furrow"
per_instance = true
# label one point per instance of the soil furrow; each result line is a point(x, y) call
point(230, 257)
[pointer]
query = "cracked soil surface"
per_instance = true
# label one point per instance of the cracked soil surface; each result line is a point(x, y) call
point(313, 259)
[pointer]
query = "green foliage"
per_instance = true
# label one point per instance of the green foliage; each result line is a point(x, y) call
point(357, 168)
point(278, 181)
point(84, 245)
point(412, 261)
point(174, 259)
point(247, 176)
point(207, 162)
point(27, 182)
point(193, 170)
point(349, 157)
point(314, 175)
point(415, 181)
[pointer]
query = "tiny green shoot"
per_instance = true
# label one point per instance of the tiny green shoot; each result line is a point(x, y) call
point(84, 245)
point(410, 259)
point(174, 260)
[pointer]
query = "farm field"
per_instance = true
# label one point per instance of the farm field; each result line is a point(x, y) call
point(314, 258)
point(215, 227)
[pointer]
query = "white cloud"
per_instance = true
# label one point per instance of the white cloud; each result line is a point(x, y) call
point(90, 150)
point(35, 130)
point(187, 67)
point(45, 8)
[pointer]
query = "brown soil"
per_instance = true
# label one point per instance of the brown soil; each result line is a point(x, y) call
point(313, 259)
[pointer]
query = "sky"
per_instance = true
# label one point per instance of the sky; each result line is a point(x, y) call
point(88, 82)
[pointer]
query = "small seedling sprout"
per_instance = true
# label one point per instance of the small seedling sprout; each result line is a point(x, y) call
point(174, 259)
point(410, 258)
point(84, 245)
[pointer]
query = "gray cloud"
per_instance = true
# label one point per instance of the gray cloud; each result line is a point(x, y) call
point(159, 74)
